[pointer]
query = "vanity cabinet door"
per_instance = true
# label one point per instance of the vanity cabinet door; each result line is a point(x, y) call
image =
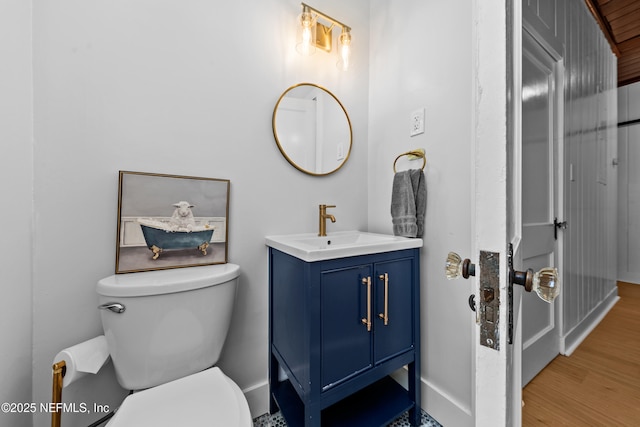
point(393, 297)
point(345, 342)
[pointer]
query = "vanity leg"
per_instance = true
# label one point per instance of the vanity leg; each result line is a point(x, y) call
point(415, 413)
point(312, 415)
point(273, 380)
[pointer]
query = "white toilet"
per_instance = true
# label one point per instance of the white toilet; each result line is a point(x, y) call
point(165, 331)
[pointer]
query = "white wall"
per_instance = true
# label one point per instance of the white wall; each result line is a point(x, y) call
point(590, 178)
point(178, 87)
point(589, 182)
point(16, 178)
point(628, 189)
point(413, 66)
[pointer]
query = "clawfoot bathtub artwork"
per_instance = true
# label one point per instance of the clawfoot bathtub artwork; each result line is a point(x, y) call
point(160, 237)
point(181, 220)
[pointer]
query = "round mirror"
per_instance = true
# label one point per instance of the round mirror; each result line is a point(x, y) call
point(312, 129)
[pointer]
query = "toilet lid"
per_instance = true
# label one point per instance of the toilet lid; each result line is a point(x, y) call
point(166, 281)
point(208, 398)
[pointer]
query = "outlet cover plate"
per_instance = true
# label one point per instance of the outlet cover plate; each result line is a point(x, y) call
point(417, 122)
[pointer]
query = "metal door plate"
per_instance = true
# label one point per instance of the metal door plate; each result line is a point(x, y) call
point(490, 299)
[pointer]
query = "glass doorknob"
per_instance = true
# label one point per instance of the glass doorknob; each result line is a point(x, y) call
point(545, 283)
point(455, 267)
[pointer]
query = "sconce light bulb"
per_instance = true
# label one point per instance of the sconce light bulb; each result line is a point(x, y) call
point(546, 284)
point(345, 49)
point(345, 54)
point(306, 33)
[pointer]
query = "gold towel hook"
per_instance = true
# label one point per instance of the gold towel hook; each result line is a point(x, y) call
point(417, 153)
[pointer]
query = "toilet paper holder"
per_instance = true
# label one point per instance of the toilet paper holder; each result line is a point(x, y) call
point(73, 363)
point(59, 371)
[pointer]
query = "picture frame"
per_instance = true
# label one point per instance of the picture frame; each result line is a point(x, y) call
point(170, 221)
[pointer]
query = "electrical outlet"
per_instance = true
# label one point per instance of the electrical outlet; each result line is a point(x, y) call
point(417, 122)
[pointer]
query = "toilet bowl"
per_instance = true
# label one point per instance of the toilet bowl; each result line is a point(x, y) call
point(165, 331)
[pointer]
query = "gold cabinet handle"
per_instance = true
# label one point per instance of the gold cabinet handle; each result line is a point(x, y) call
point(385, 316)
point(367, 320)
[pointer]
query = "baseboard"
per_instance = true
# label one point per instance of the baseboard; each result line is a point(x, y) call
point(573, 339)
point(633, 278)
point(257, 396)
point(441, 406)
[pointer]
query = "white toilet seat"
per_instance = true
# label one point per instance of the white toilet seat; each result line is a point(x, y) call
point(208, 398)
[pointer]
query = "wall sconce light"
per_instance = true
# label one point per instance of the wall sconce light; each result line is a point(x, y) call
point(313, 34)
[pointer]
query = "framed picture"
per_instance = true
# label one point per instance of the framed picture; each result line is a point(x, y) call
point(170, 221)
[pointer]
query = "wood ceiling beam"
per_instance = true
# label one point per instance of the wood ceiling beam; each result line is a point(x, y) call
point(595, 11)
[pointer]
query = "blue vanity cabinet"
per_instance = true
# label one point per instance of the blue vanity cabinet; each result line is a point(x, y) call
point(337, 329)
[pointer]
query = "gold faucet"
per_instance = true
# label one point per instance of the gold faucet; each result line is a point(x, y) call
point(323, 219)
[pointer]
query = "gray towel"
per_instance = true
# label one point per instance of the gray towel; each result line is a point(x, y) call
point(408, 203)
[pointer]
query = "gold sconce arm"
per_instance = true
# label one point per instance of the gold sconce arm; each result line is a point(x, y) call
point(306, 8)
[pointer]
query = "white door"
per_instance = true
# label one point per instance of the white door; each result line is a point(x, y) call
point(297, 130)
point(497, 40)
point(540, 338)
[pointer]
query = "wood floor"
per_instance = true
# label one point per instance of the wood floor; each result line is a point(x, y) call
point(599, 384)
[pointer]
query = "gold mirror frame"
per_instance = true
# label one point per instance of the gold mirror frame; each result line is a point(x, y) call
point(288, 156)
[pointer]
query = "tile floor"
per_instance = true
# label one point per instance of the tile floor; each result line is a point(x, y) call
point(276, 420)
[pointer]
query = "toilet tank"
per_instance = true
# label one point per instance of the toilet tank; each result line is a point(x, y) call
point(167, 324)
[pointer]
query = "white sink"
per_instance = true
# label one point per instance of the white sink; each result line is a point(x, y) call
point(310, 247)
